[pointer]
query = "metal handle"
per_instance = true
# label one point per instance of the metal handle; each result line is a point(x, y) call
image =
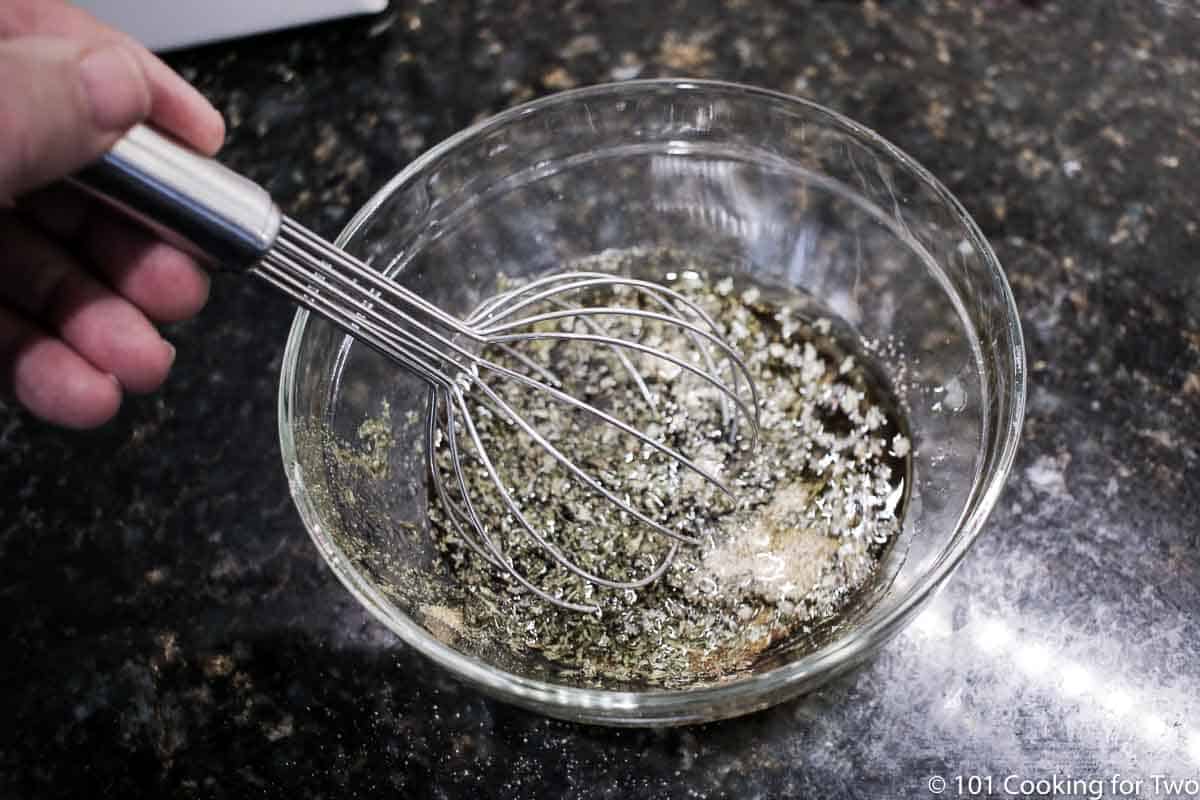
point(191, 201)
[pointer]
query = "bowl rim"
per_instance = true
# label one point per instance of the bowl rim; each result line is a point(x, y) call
point(738, 695)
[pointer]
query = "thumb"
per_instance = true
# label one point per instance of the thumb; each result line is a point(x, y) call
point(63, 103)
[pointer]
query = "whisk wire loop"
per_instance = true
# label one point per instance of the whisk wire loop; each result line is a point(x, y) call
point(454, 356)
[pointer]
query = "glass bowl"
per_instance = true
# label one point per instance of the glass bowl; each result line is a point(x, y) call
point(775, 187)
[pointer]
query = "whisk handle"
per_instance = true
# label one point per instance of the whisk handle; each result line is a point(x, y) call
point(190, 200)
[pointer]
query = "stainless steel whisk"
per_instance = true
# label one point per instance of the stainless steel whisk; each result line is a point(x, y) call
point(227, 219)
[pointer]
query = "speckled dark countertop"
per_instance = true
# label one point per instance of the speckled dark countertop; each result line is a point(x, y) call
point(170, 630)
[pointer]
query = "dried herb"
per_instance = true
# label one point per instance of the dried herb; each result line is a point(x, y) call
point(817, 500)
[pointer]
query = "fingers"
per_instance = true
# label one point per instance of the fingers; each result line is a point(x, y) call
point(59, 209)
point(52, 380)
point(62, 104)
point(175, 106)
point(43, 282)
point(69, 88)
point(178, 108)
point(165, 283)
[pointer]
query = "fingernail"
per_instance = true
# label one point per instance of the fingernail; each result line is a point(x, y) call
point(171, 357)
point(115, 87)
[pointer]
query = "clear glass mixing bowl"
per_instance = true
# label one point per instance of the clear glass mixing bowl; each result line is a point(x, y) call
point(773, 186)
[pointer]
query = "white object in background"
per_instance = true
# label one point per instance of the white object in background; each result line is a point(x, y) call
point(167, 24)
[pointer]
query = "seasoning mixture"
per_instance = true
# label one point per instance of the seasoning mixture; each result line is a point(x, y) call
point(817, 499)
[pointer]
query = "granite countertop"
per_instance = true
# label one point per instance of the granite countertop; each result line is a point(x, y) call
point(170, 630)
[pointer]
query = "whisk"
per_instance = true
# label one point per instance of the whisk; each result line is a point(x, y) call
point(228, 220)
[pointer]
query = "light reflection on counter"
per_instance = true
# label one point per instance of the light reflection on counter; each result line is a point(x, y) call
point(1007, 648)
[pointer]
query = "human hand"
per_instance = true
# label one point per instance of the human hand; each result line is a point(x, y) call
point(80, 288)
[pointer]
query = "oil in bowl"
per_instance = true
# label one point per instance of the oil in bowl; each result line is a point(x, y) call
point(870, 311)
point(815, 497)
